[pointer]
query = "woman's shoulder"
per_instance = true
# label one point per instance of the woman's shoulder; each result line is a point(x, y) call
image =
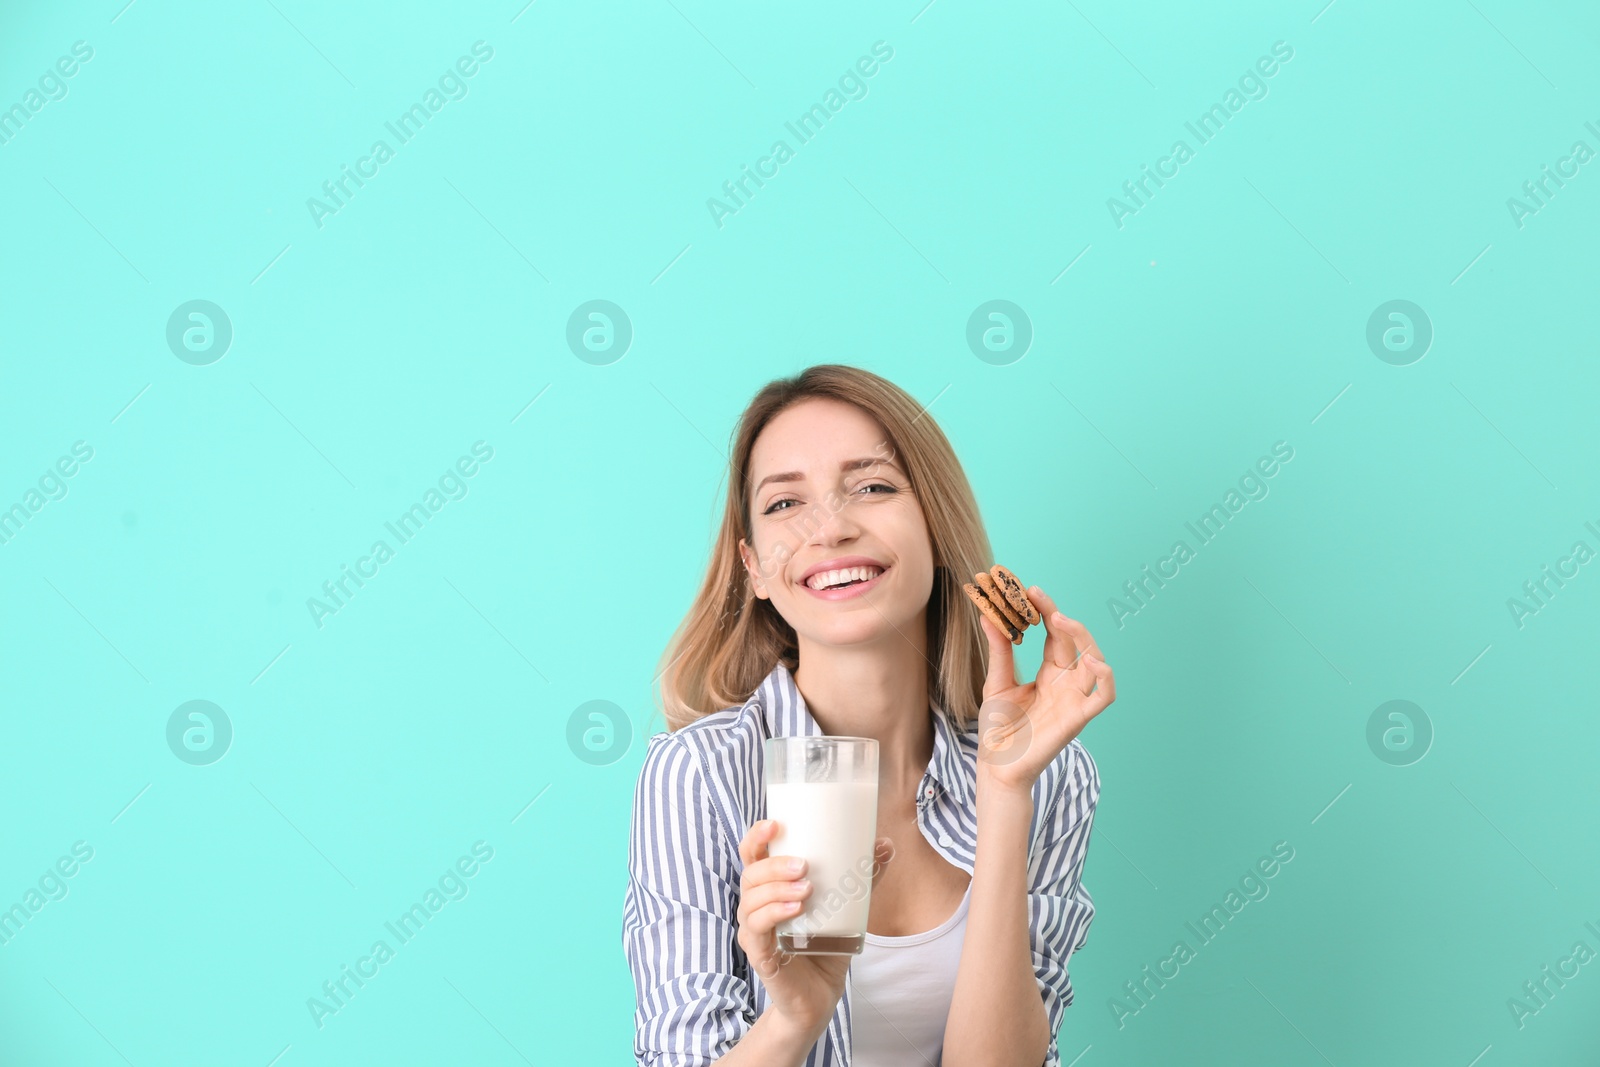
point(717, 755)
point(1069, 781)
point(1068, 790)
point(730, 731)
point(1077, 771)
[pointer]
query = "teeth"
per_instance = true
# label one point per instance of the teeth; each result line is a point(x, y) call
point(828, 579)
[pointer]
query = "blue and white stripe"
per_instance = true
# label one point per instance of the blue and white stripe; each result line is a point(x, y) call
point(700, 790)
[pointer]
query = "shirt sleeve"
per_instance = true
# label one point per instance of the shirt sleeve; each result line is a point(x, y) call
point(1060, 908)
point(678, 930)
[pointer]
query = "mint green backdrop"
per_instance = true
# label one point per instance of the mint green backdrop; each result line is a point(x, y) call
point(1154, 345)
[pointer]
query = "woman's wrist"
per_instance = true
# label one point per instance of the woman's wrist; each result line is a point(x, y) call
point(785, 1039)
point(995, 792)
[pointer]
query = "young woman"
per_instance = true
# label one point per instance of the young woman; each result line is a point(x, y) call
point(985, 795)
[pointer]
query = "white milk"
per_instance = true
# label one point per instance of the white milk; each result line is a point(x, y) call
point(832, 825)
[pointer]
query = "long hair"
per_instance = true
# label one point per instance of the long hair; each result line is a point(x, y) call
point(731, 639)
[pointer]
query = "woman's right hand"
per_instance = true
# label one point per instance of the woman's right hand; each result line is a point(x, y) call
point(804, 989)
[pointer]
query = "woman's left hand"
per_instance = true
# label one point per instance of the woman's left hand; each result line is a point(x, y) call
point(1021, 728)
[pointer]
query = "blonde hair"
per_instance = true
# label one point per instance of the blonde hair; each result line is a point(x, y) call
point(731, 639)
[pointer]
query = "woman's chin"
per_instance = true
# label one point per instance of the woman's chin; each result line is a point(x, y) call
point(862, 630)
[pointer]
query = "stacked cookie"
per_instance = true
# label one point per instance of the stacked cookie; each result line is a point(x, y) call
point(1004, 599)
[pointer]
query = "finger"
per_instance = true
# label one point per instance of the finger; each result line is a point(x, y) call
point(761, 949)
point(753, 846)
point(758, 935)
point(1082, 637)
point(763, 920)
point(1002, 666)
point(1079, 634)
point(774, 898)
point(759, 913)
point(1059, 647)
point(882, 853)
point(1106, 683)
point(772, 869)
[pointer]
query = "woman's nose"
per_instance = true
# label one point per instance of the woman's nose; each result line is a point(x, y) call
point(833, 524)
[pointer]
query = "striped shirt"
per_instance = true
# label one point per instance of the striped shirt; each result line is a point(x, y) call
point(700, 789)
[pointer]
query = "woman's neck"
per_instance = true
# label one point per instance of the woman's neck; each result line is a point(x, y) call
point(878, 691)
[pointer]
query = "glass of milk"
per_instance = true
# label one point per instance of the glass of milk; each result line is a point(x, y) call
point(823, 794)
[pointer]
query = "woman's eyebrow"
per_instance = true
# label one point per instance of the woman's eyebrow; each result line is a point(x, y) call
point(847, 465)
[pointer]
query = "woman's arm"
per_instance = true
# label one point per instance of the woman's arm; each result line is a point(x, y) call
point(996, 1015)
point(773, 1041)
point(678, 916)
point(1005, 1012)
point(689, 905)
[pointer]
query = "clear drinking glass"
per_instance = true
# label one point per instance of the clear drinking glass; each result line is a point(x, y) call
point(823, 794)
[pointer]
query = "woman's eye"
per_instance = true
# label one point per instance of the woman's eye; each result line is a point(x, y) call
point(777, 505)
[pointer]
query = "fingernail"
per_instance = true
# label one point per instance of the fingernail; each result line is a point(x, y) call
point(796, 863)
point(1058, 617)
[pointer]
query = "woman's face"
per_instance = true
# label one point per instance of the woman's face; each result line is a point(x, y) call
point(830, 495)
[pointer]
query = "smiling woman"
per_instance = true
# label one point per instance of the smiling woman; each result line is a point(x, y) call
point(832, 605)
point(841, 459)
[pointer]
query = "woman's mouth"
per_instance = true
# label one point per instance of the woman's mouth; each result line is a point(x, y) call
point(844, 583)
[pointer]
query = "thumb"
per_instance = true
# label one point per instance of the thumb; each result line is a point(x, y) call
point(882, 853)
point(1002, 667)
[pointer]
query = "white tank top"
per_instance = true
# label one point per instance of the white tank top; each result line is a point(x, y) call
point(900, 992)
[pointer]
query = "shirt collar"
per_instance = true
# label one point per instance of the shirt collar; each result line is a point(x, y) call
point(949, 766)
point(779, 702)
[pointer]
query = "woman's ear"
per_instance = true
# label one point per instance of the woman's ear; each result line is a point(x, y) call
point(752, 568)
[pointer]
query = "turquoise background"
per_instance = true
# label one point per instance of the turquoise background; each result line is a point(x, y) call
point(432, 710)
